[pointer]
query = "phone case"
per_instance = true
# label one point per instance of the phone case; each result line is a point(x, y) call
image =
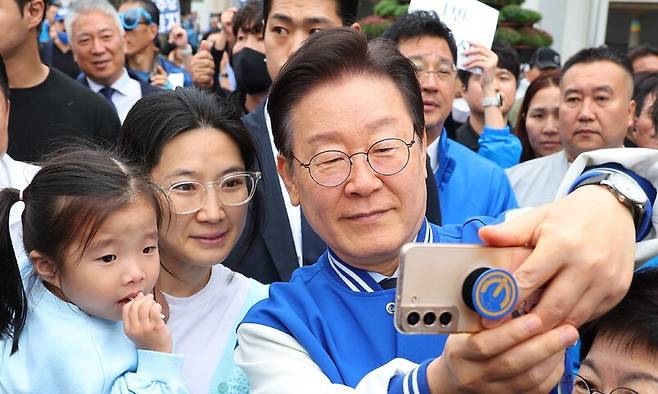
point(431, 297)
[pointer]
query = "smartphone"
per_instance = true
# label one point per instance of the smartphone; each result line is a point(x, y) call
point(449, 288)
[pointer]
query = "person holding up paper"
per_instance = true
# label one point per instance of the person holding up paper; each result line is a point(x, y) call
point(472, 22)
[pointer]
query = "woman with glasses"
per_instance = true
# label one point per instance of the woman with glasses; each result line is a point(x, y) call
point(140, 20)
point(194, 147)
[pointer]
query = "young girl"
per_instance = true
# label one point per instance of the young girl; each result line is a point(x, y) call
point(90, 228)
point(195, 147)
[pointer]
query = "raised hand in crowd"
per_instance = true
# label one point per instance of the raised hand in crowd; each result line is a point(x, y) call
point(202, 66)
point(182, 54)
point(486, 61)
point(159, 76)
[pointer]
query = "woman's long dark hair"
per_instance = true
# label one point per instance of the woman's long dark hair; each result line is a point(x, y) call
point(545, 79)
point(66, 202)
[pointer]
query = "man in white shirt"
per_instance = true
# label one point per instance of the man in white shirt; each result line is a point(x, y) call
point(96, 36)
point(595, 113)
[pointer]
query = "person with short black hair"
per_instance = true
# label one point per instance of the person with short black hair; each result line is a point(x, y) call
point(620, 349)
point(468, 184)
point(490, 97)
point(348, 122)
point(644, 58)
point(595, 113)
point(48, 109)
point(248, 58)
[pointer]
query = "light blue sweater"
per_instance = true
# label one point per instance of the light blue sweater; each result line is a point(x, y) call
point(64, 350)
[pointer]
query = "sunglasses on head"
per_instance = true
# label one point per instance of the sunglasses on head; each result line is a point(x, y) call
point(134, 17)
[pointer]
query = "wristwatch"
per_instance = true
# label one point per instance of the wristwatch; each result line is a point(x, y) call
point(493, 101)
point(187, 51)
point(624, 188)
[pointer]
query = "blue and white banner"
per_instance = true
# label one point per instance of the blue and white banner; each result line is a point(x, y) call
point(169, 14)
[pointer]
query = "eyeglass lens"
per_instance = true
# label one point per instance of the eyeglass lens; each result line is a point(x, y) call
point(189, 196)
point(386, 157)
point(576, 384)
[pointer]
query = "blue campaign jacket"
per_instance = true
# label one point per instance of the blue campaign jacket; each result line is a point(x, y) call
point(312, 308)
point(470, 185)
point(342, 317)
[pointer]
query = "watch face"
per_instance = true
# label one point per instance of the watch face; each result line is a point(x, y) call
point(628, 187)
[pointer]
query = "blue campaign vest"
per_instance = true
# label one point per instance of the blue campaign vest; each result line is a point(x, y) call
point(470, 185)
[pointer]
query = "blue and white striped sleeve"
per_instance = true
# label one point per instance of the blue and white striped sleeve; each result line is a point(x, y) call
point(412, 382)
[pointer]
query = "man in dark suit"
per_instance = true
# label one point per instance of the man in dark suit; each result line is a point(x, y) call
point(284, 240)
point(96, 36)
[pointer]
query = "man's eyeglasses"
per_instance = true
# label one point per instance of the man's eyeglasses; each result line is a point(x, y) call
point(576, 384)
point(332, 167)
point(233, 189)
point(445, 71)
point(134, 17)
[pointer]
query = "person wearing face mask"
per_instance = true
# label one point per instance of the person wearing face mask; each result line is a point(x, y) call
point(248, 58)
point(57, 52)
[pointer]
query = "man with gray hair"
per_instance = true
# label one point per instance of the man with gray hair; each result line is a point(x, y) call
point(96, 36)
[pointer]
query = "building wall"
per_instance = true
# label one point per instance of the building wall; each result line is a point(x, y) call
point(574, 24)
point(206, 7)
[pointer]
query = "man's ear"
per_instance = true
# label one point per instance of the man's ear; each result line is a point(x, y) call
point(286, 172)
point(45, 267)
point(458, 88)
point(154, 30)
point(356, 26)
point(462, 88)
point(33, 13)
point(631, 113)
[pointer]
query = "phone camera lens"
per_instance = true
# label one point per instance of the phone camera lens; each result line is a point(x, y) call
point(429, 318)
point(413, 318)
point(445, 318)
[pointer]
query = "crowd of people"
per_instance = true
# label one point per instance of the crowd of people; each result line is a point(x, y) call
point(227, 215)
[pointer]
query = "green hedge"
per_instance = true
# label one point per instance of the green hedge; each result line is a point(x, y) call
point(516, 14)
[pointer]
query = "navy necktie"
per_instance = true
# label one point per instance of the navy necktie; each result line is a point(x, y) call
point(107, 92)
point(388, 283)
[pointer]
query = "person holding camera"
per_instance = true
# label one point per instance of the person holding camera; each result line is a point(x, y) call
point(347, 119)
